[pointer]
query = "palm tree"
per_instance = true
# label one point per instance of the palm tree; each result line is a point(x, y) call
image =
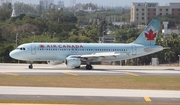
point(169, 55)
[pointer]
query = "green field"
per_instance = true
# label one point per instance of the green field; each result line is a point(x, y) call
point(114, 82)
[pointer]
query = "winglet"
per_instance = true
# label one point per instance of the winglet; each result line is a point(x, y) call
point(149, 35)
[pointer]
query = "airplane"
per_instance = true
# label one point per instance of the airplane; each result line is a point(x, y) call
point(73, 54)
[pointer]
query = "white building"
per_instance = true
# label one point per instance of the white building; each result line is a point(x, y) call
point(5, 1)
point(13, 13)
point(170, 31)
point(90, 10)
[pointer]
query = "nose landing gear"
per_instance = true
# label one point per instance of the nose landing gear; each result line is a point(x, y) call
point(31, 65)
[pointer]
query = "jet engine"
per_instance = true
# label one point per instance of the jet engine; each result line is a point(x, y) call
point(73, 62)
point(54, 62)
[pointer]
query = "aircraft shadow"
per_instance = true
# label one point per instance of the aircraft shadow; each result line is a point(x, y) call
point(83, 68)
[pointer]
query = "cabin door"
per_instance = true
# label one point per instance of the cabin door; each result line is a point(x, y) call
point(134, 50)
point(33, 49)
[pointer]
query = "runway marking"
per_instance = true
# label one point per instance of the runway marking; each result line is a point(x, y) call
point(132, 74)
point(147, 99)
point(72, 74)
point(8, 73)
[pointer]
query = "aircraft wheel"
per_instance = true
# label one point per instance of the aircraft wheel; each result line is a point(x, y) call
point(89, 67)
point(30, 67)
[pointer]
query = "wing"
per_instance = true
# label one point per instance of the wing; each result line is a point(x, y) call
point(103, 55)
point(95, 55)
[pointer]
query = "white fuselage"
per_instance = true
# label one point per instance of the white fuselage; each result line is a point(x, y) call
point(60, 51)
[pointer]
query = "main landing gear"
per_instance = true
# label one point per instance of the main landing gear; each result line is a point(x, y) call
point(89, 67)
point(31, 65)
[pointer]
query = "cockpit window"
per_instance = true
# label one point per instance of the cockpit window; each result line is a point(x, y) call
point(21, 48)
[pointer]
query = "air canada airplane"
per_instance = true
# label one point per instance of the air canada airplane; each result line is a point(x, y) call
point(72, 54)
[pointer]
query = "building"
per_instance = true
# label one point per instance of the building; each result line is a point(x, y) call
point(107, 39)
point(5, 1)
point(142, 13)
point(78, 6)
point(13, 13)
point(46, 4)
point(90, 10)
point(72, 3)
point(170, 31)
point(43, 4)
point(49, 4)
point(175, 9)
point(58, 4)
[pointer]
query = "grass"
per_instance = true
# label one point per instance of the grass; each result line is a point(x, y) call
point(118, 82)
point(83, 102)
point(113, 82)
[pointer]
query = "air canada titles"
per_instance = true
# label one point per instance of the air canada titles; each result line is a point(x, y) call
point(61, 46)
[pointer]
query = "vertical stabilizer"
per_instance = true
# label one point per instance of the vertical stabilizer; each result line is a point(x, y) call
point(149, 35)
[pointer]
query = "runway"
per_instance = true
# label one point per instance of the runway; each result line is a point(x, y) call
point(87, 94)
point(90, 94)
point(99, 70)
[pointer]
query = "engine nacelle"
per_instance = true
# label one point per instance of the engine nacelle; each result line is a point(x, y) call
point(54, 62)
point(73, 62)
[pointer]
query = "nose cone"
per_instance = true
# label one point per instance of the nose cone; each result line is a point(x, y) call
point(13, 54)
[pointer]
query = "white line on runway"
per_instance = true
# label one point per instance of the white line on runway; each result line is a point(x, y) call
point(6, 90)
point(44, 68)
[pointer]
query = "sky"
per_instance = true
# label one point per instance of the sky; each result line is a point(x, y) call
point(105, 2)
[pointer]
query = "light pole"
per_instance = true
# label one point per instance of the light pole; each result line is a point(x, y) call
point(33, 34)
point(17, 39)
point(103, 37)
point(179, 59)
point(146, 13)
point(17, 35)
point(54, 34)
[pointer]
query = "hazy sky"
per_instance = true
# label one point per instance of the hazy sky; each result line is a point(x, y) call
point(105, 2)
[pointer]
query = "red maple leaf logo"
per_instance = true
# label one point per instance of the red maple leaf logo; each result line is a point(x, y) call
point(150, 35)
point(41, 46)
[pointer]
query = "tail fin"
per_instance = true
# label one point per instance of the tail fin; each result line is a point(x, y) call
point(149, 35)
